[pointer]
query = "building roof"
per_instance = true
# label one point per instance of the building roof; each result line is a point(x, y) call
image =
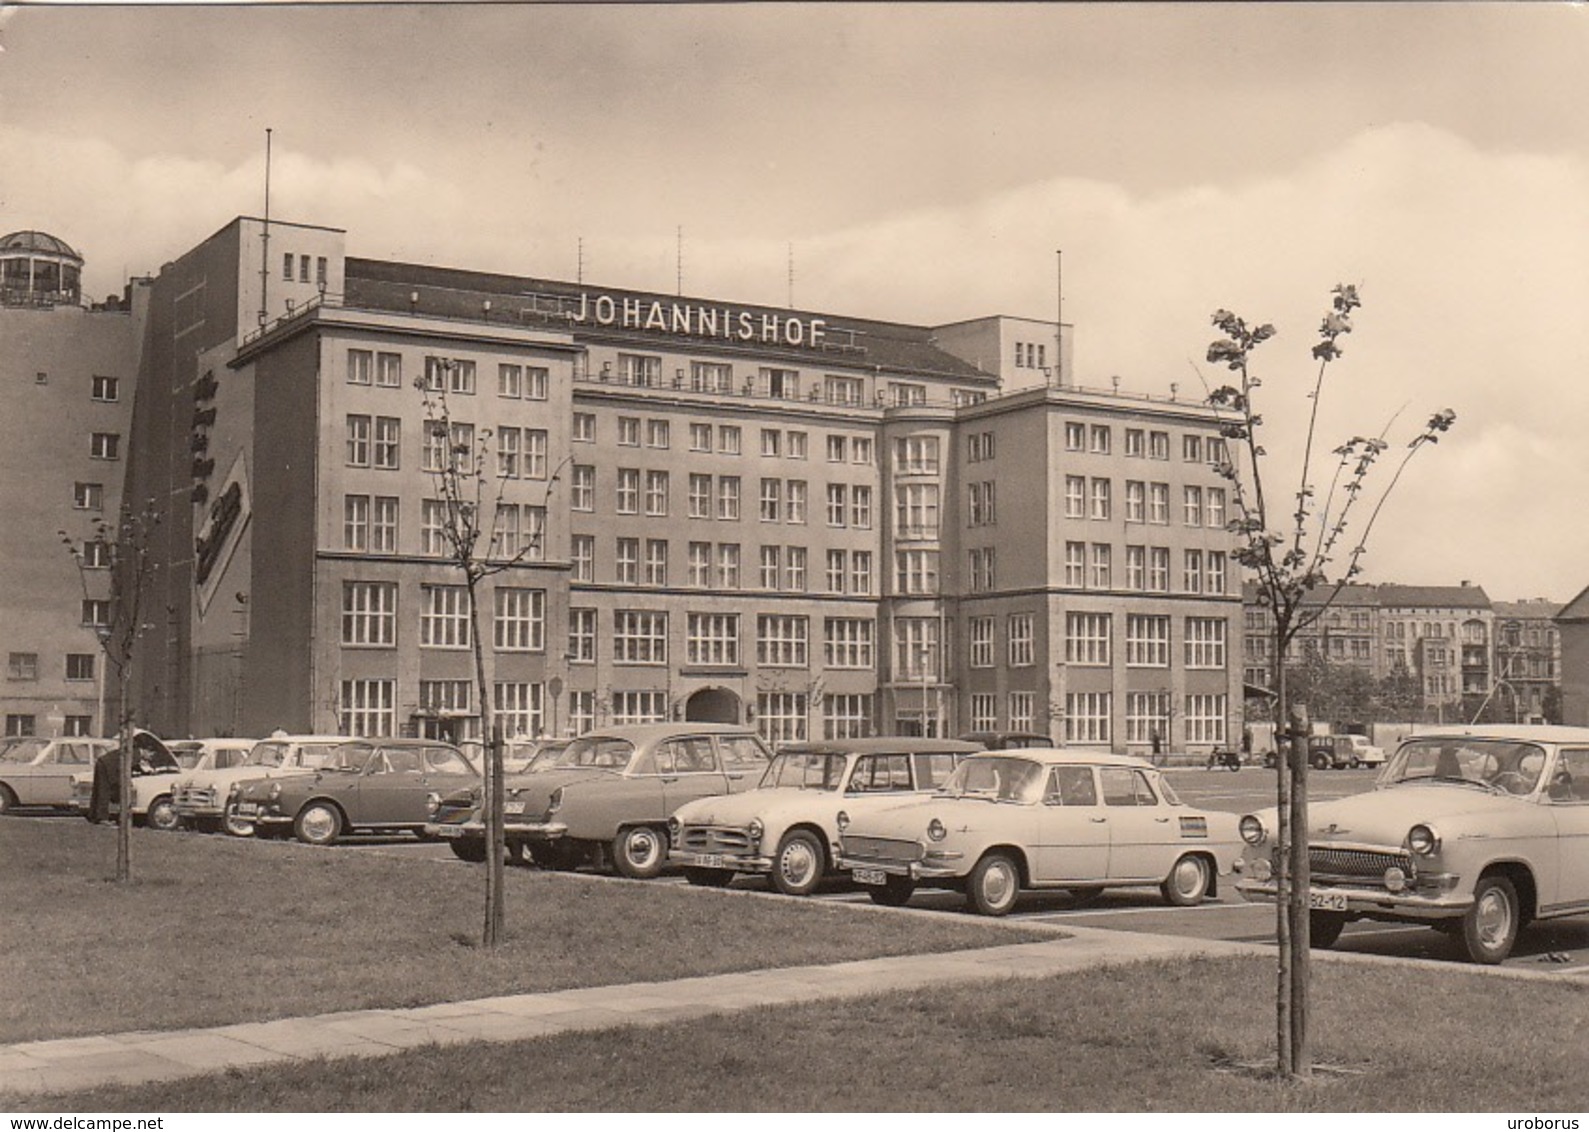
point(1535, 609)
point(1433, 597)
point(40, 242)
point(1577, 609)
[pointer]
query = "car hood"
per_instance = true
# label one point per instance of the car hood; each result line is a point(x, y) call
point(772, 802)
point(225, 777)
point(545, 781)
point(1383, 817)
point(908, 817)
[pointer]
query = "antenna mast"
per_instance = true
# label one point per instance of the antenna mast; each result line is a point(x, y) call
point(264, 247)
point(1059, 317)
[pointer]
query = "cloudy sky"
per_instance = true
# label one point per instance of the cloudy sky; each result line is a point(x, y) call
point(923, 164)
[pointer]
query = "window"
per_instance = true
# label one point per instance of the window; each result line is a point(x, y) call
point(794, 569)
point(368, 707)
point(1159, 503)
point(88, 496)
point(916, 456)
point(1136, 442)
point(19, 724)
point(980, 505)
point(981, 635)
point(626, 562)
point(860, 450)
point(861, 507)
point(1214, 578)
point(711, 377)
point(1087, 716)
point(843, 390)
point(358, 441)
point(1147, 716)
point(639, 636)
point(906, 393)
point(916, 648)
point(1205, 642)
point(640, 369)
point(1087, 638)
point(838, 570)
point(389, 370)
point(712, 639)
point(700, 496)
point(1147, 641)
point(535, 453)
point(510, 445)
point(320, 271)
point(369, 614)
point(582, 636)
point(1193, 510)
point(728, 439)
point(96, 554)
point(510, 380)
point(628, 496)
point(916, 511)
point(771, 442)
point(728, 497)
point(79, 666)
point(847, 716)
point(1205, 719)
point(303, 269)
point(639, 707)
point(361, 367)
point(656, 561)
point(520, 707)
point(1192, 571)
point(795, 495)
point(584, 428)
point(1098, 439)
point(1192, 449)
point(700, 564)
point(836, 449)
point(916, 571)
point(728, 565)
point(520, 621)
point(629, 432)
point(656, 433)
point(1136, 501)
point(433, 527)
point(984, 711)
point(581, 711)
point(1076, 564)
point(983, 566)
point(444, 617)
point(796, 444)
point(385, 451)
point(1021, 709)
point(1018, 629)
point(1075, 436)
point(582, 487)
point(781, 641)
point(446, 696)
point(861, 571)
point(700, 437)
point(1075, 497)
point(656, 493)
point(1159, 445)
point(780, 382)
point(383, 525)
point(96, 613)
point(286, 266)
point(838, 504)
point(848, 642)
point(105, 388)
point(356, 522)
point(1102, 566)
point(979, 447)
point(25, 666)
point(771, 568)
point(1215, 498)
point(78, 725)
point(1159, 569)
point(781, 716)
point(1100, 499)
point(771, 496)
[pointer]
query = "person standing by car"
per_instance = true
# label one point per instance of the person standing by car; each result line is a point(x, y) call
point(107, 786)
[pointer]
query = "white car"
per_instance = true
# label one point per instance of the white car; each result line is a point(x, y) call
point(200, 796)
point(787, 828)
point(154, 769)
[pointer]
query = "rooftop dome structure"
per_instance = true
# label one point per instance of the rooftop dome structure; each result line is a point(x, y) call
point(38, 269)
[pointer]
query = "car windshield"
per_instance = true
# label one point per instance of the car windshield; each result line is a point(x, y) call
point(602, 752)
point(999, 779)
point(806, 770)
point(1494, 764)
point(347, 756)
point(266, 754)
point(22, 750)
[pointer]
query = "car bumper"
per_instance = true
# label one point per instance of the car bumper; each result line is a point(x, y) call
point(918, 871)
point(734, 863)
point(1368, 901)
point(462, 831)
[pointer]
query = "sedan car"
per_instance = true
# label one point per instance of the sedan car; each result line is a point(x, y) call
point(607, 796)
point(1030, 819)
point(1476, 831)
point(364, 785)
point(155, 767)
point(200, 796)
point(787, 828)
point(36, 771)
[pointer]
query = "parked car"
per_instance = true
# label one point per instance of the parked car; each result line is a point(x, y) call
point(1071, 819)
point(37, 771)
point(524, 755)
point(200, 796)
point(155, 767)
point(1476, 831)
point(1006, 740)
point(786, 827)
point(363, 786)
point(607, 796)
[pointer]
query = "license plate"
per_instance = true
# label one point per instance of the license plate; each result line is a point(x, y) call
point(449, 831)
point(1327, 901)
point(513, 807)
point(870, 876)
point(247, 809)
point(707, 860)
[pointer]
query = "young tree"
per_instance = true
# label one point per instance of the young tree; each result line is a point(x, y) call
point(125, 549)
point(1309, 546)
point(470, 496)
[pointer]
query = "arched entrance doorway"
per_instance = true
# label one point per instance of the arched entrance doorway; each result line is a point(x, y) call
point(713, 705)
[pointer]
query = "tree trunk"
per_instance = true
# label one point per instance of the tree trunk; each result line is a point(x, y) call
point(495, 918)
point(124, 794)
point(1287, 753)
point(1301, 932)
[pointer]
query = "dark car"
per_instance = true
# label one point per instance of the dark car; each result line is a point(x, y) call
point(1007, 740)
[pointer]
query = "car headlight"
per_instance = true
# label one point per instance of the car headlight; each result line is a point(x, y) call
point(555, 802)
point(432, 803)
point(1423, 840)
point(936, 831)
point(274, 793)
point(755, 830)
point(1252, 830)
point(231, 795)
point(675, 828)
point(842, 820)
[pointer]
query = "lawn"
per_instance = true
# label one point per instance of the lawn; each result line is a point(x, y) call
point(214, 930)
point(1157, 1036)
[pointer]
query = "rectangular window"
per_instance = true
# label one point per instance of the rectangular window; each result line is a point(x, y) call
point(728, 565)
point(79, 666)
point(843, 390)
point(581, 711)
point(771, 497)
point(433, 527)
point(916, 649)
point(25, 666)
point(1159, 445)
point(452, 697)
point(629, 432)
point(1192, 571)
point(713, 639)
point(96, 554)
point(838, 504)
point(1159, 569)
point(582, 558)
point(369, 707)
point(728, 497)
point(1087, 717)
point(836, 449)
point(656, 493)
point(700, 497)
point(847, 716)
point(1215, 497)
point(983, 563)
point(776, 382)
point(1076, 564)
point(1192, 449)
point(1214, 578)
point(626, 562)
point(1098, 439)
point(639, 636)
point(359, 427)
point(771, 566)
point(356, 522)
point(444, 617)
point(105, 388)
point(771, 442)
point(1075, 436)
point(1193, 511)
point(628, 491)
point(1205, 719)
point(520, 707)
point(640, 369)
point(96, 612)
point(535, 453)
point(1147, 641)
point(1136, 442)
point(1018, 630)
point(700, 564)
point(838, 570)
point(711, 377)
point(386, 449)
point(728, 440)
point(584, 428)
point(861, 507)
point(389, 370)
point(984, 711)
point(1075, 497)
point(794, 569)
point(1100, 499)
point(916, 456)
point(361, 367)
point(981, 647)
point(582, 487)
point(1087, 639)
point(794, 504)
point(1136, 501)
point(1147, 716)
point(656, 561)
point(700, 437)
point(1205, 642)
point(462, 377)
point(916, 511)
point(861, 450)
point(520, 621)
point(1159, 503)
point(383, 525)
point(916, 571)
point(656, 433)
point(1102, 566)
point(510, 380)
point(781, 716)
point(582, 636)
point(1022, 705)
point(286, 266)
point(861, 571)
point(510, 453)
point(848, 642)
point(369, 614)
point(782, 641)
point(796, 444)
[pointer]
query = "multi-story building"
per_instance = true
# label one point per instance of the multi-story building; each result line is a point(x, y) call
point(1572, 624)
point(830, 525)
point(68, 371)
point(1345, 633)
point(1442, 634)
point(1527, 661)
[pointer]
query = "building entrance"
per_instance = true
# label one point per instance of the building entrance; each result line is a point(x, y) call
point(713, 705)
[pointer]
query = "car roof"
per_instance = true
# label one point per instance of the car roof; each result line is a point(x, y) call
point(398, 741)
point(1050, 756)
point(307, 739)
point(642, 732)
point(881, 744)
point(1515, 732)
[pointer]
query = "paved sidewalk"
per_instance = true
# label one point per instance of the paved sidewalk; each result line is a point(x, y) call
point(147, 1055)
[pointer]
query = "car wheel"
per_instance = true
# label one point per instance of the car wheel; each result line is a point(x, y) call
point(1489, 928)
point(162, 814)
point(639, 852)
point(8, 800)
point(318, 823)
point(1355, 763)
point(1324, 928)
point(471, 849)
point(709, 878)
point(1188, 882)
point(798, 867)
point(993, 885)
point(236, 826)
point(895, 892)
point(1320, 762)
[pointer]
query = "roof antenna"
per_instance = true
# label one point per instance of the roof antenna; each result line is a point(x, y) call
point(264, 248)
point(1059, 318)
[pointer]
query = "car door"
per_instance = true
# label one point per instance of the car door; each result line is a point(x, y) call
point(696, 771)
point(1144, 837)
point(1071, 839)
point(744, 761)
point(53, 783)
point(1567, 796)
point(391, 790)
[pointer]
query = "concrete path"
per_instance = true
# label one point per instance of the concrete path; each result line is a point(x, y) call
point(149, 1055)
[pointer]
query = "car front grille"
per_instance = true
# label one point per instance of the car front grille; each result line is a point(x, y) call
point(1333, 863)
point(714, 839)
point(199, 797)
point(883, 850)
point(453, 812)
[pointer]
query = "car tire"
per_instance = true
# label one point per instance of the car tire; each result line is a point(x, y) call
point(639, 852)
point(1324, 928)
point(1490, 926)
point(1355, 763)
point(993, 885)
point(1320, 762)
point(318, 823)
point(709, 878)
point(162, 815)
point(8, 800)
point(895, 892)
point(799, 864)
point(235, 825)
point(471, 849)
point(1188, 882)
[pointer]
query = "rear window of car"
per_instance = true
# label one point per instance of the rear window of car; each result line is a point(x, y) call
point(742, 753)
